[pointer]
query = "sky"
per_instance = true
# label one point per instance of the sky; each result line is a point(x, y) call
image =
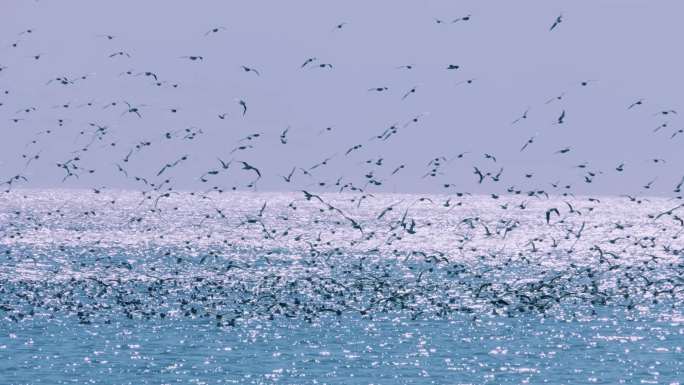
point(625, 50)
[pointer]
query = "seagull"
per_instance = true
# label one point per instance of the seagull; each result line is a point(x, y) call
point(225, 165)
point(529, 141)
point(248, 167)
point(308, 61)
point(244, 106)
point(524, 116)
point(248, 69)
point(561, 118)
point(339, 26)
point(409, 92)
point(637, 103)
point(215, 30)
point(283, 135)
point(479, 174)
point(559, 19)
point(388, 209)
point(288, 178)
point(120, 53)
point(464, 18)
point(467, 81)
point(170, 165)
point(559, 97)
point(133, 110)
point(548, 214)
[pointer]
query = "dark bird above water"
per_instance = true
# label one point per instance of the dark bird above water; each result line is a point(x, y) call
point(120, 53)
point(559, 19)
point(215, 30)
point(523, 116)
point(248, 69)
point(637, 103)
point(463, 18)
point(548, 214)
point(248, 167)
point(409, 92)
point(283, 135)
point(529, 141)
point(561, 118)
point(243, 104)
point(308, 61)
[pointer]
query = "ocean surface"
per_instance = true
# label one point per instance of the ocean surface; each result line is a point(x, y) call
point(121, 287)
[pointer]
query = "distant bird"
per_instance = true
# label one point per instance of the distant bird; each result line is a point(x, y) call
point(559, 97)
point(243, 104)
point(215, 30)
point(288, 178)
point(549, 212)
point(396, 170)
point(637, 103)
point(133, 109)
point(224, 165)
point(308, 61)
point(529, 141)
point(248, 167)
point(193, 57)
point(559, 19)
point(283, 135)
point(648, 185)
point(409, 92)
point(467, 81)
point(479, 174)
point(561, 118)
point(248, 69)
point(120, 53)
point(523, 116)
point(173, 164)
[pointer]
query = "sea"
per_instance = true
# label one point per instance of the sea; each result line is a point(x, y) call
point(166, 287)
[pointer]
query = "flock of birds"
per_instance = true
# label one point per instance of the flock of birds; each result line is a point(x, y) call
point(351, 249)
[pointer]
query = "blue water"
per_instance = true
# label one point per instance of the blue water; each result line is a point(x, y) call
point(349, 350)
point(182, 298)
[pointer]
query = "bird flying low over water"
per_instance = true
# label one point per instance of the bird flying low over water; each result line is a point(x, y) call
point(559, 19)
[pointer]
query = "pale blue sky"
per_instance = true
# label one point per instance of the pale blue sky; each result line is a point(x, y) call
point(630, 47)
